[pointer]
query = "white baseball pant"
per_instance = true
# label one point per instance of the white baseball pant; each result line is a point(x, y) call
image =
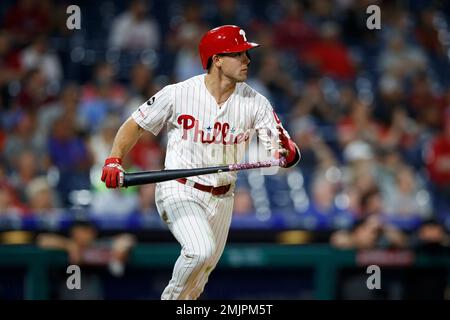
point(200, 222)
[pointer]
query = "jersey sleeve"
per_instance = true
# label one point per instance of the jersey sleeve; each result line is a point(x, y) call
point(154, 113)
point(266, 127)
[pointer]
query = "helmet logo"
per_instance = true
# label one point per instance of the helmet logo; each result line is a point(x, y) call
point(242, 33)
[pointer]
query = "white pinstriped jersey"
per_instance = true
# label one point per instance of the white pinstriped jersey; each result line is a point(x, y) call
point(202, 134)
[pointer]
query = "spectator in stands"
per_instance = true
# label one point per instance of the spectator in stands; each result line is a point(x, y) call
point(117, 205)
point(329, 55)
point(323, 206)
point(323, 11)
point(293, 32)
point(83, 243)
point(141, 78)
point(358, 125)
point(68, 103)
point(391, 94)
point(389, 161)
point(9, 57)
point(312, 103)
point(133, 30)
point(323, 195)
point(25, 170)
point(304, 133)
point(370, 232)
point(358, 175)
point(104, 94)
point(401, 59)
point(33, 94)
point(446, 99)
point(426, 104)
point(186, 60)
point(147, 198)
point(430, 236)
point(354, 23)
point(41, 197)
point(438, 167)
point(2, 138)
point(231, 12)
point(316, 154)
point(404, 134)
point(70, 154)
point(25, 20)
point(23, 138)
point(427, 34)
point(407, 199)
point(359, 154)
point(3, 169)
point(10, 207)
point(38, 55)
point(85, 247)
point(183, 39)
point(11, 67)
point(400, 133)
point(276, 81)
point(5, 201)
point(243, 203)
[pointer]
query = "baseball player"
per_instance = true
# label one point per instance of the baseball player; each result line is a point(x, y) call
point(208, 118)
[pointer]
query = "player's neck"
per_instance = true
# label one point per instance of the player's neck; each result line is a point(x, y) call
point(220, 87)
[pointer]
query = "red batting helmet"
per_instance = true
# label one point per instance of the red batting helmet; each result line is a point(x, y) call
point(223, 39)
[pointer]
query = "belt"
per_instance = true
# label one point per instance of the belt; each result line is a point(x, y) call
point(216, 191)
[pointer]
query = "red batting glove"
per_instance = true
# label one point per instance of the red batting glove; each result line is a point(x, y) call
point(287, 144)
point(112, 174)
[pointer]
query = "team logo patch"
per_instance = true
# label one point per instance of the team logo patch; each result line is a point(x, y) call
point(151, 100)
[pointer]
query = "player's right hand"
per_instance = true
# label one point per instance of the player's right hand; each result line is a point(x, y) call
point(288, 149)
point(112, 174)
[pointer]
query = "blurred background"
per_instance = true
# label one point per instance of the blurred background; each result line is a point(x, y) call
point(370, 110)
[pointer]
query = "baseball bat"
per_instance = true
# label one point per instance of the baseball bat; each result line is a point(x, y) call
point(144, 177)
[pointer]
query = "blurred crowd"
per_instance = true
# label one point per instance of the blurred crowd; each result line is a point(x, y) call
point(370, 109)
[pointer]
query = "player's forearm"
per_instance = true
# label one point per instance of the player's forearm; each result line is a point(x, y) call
point(127, 136)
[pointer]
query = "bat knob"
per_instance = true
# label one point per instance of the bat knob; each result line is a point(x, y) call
point(121, 178)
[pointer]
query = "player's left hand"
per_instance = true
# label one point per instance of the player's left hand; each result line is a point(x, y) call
point(287, 149)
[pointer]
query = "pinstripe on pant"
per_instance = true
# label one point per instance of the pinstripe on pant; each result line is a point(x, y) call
point(200, 223)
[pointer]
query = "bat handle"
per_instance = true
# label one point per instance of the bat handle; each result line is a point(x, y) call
point(256, 165)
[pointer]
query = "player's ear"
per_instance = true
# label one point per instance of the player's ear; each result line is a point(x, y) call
point(216, 60)
point(248, 56)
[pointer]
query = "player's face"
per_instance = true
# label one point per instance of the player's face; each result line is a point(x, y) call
point(235, 65)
